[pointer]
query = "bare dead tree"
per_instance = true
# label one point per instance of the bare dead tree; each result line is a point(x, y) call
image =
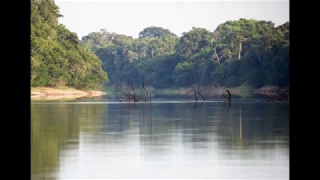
point(124, 96)
point(229, 95)
point(128, 97)
point(134, 93)
point(201, 96)
point(148, 94)
point(195, 95)
point(196, 90)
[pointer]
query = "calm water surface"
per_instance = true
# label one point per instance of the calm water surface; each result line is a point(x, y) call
point(99, 140)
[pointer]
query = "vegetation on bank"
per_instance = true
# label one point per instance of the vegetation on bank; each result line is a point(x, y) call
point(239, 53)
point(57, 59)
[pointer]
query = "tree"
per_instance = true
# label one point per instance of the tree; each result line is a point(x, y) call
point(156, 32)
point(56, 57)
point(198, 57)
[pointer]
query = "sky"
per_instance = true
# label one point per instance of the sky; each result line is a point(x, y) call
point(130, 17)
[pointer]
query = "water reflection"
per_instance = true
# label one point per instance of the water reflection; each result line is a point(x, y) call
point(55, 128)
point(160, 140)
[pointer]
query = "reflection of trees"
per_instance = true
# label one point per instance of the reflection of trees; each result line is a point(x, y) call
point(55, 127)
point(196, 131)
point(119, 116)
point(91, 120)
point(256, 127)
point(162, 123)
point(92, 116)
point(262, 126)
point(155, 127)
point(158, 125)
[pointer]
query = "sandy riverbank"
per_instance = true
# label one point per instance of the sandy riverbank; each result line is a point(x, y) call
point(47, 93)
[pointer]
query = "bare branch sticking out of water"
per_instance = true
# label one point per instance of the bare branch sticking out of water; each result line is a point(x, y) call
point(229, 95)
point(138, 95)
point(134, 93)
point(196, 89)
point(148, 94)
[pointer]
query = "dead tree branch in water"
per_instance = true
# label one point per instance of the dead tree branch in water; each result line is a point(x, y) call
point(196, 90)
point(229, 95)
point(148, 94)
point(138, 95)
point(195, 96)
point(129, 97)
point(201, 96)
point(134, 93)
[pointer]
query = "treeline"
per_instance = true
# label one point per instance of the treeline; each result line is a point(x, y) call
point(57, 59)
point(242, 52)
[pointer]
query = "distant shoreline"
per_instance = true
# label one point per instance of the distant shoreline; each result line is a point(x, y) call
point(244, 91)
point(56, 93)
point(60, 93)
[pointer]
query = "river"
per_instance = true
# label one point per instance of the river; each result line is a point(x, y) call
point(248, 139)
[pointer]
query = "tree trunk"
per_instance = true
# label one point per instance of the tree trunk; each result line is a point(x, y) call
point(240, 49)
point(215, 54)
point(134, 93)
point(203, 74)
point(201, 96)
point(231, 44)
point(229, 95)
point(195, 95)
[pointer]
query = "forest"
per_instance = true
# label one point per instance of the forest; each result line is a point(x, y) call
point(240, 52)
point(57, 59)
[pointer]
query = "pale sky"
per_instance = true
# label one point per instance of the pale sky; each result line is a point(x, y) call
point(130, 17)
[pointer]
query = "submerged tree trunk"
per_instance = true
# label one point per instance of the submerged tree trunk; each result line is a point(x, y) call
point(229, 96)
point(201, 96)
point(134, 93)
point(195, 91)
point(148, 94)
point(195, 95)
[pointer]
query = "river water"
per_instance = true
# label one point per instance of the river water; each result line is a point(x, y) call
point(248, 139)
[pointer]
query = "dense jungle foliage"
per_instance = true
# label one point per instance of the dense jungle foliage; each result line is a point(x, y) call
point(57, 59)
point(241, 52)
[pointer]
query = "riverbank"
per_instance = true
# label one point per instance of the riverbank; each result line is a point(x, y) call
point(244, 91)
point(269, 90)
point(46, 93)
